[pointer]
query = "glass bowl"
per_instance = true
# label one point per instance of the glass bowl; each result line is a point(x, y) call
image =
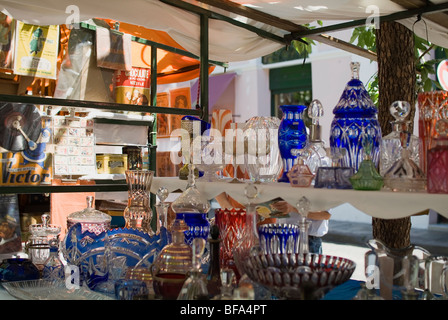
point(298, 276)
point(279, 238)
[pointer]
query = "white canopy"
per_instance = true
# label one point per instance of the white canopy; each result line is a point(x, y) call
point(227, 42)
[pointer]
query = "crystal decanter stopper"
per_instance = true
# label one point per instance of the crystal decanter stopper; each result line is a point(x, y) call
point(399, 138)
point(303, 207)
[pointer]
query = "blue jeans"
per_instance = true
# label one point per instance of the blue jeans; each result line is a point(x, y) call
point(315, 244)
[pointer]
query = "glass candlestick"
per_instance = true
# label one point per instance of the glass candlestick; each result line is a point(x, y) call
point(303, 207)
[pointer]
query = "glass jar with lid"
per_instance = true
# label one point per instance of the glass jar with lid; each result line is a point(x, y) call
point(91, 220)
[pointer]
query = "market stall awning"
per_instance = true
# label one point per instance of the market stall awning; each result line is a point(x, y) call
point(228, 41)
point(172, 67)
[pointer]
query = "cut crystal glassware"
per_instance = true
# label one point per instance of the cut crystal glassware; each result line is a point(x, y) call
point(38, 245)
point(91, 220)
point(249, 240)
point(355, 118)
point(298, 275)
point(170, 268)
point(438, 160)
point(432, 106)
point(279, 238)
point(264, 162)
point(399, 138)
point(192, 207)
point(195, 287)
point(291, 135)
point(138, 213)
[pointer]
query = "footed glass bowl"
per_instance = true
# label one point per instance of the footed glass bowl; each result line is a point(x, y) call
point(298, 276)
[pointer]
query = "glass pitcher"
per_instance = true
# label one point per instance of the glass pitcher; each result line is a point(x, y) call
point(397, 273)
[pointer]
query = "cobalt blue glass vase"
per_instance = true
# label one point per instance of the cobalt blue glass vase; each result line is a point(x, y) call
point(291, 135)
point(355, 122)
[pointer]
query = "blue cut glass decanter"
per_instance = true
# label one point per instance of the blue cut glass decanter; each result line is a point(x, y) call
point(192, 207)
point(355, 119)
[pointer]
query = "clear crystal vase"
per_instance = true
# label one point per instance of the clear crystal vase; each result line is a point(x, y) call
point(138, 214)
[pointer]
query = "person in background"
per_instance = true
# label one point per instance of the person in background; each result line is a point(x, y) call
point(10, 239)
point(318, 227)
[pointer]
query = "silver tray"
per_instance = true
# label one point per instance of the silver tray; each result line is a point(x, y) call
point(49, 290)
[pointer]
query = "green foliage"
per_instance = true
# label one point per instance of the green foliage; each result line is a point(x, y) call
point(364, 37)
point(305, 48)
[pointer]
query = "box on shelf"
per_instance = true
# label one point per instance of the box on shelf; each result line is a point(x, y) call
point(111, 163)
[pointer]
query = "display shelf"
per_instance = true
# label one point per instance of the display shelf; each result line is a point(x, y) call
point(113, 187)
point(379, 204)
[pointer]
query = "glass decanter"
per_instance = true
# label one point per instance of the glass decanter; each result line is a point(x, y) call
point(162, 213)
point(171, 267)
point(192, 207)
point(53, 266)
point(317, 154)
point(355, 117)
point(138, 214)
point(399, 138)
point(438, 160)
point(195, 287)
point(404, 174)
point(303, 208)
point(300, 174)
point(249, 239)
point(91, 220)
point(214, 270)
point(367, 177)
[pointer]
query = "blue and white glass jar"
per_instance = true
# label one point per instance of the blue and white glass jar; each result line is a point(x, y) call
point(291, 136)
point(356, 120)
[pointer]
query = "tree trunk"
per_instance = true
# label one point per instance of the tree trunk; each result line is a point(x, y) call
point(396, 79)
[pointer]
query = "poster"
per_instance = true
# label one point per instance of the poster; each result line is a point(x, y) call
point(36, 50)
point(6, 41)
point(163, 100)
point(133, 86)
point(32, 166)
point(113, 49)
point(10, 236)
point(179, 98)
